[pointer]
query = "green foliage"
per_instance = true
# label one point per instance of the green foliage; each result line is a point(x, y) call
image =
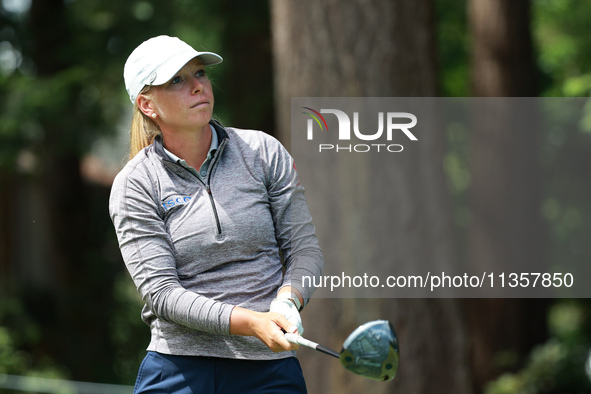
point(14, 340)
point(561, 365)
point(85, 99)
point(129, 333)
point(565, 162)
point(453, 47)
point(561, 31)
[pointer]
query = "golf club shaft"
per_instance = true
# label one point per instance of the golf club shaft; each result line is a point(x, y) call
point(297, 339)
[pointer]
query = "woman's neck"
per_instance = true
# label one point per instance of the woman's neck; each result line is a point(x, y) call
point(190, 146)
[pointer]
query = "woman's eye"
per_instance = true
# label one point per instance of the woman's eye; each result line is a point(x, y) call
point(200, 73)
point(176, 80)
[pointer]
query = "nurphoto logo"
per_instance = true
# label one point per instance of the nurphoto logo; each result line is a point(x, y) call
point(393, 127)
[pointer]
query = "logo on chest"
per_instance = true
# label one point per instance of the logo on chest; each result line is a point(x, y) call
point(174, 201)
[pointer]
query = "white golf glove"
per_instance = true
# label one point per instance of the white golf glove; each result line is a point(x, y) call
point(289, 310)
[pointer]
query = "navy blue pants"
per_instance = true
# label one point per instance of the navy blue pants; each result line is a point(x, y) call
point(163, 373)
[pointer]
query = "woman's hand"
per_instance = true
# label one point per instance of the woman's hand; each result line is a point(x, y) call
point(269, 327)
point(289, 310)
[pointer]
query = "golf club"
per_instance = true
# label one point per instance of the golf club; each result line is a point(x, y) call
point(371, 350)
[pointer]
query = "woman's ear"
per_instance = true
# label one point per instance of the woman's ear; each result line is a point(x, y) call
point(145, 104)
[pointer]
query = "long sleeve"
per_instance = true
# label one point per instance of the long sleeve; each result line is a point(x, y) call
point(294, 229)
point(149, 255)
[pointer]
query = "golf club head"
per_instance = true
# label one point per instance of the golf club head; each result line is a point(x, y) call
point(372, 351)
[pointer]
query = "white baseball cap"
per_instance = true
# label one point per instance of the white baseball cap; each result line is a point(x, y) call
point(157, 60)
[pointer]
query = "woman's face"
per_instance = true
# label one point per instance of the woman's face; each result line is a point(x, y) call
point(184, 103)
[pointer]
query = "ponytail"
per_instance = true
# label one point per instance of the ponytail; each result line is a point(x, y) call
point(143, 130)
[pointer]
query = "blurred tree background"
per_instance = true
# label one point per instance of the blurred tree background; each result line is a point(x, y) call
point(67, 306)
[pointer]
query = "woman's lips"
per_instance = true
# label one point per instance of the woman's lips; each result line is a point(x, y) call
point(200, 103)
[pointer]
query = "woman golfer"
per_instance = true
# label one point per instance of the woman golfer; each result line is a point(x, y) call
point(215, 231)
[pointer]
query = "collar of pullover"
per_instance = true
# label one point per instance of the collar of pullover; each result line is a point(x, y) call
point(217, 126)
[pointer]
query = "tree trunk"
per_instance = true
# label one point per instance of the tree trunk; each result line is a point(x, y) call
point(506, 229)
point(502, 59)
point(246, 43)
point(367, 49)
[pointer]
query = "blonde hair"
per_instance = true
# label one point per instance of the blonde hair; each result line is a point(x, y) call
point(143, 129)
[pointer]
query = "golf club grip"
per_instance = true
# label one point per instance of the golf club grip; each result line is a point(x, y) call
point(293, 338)
point(297, 339)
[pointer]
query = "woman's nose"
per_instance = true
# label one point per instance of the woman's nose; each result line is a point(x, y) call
point(197, 85)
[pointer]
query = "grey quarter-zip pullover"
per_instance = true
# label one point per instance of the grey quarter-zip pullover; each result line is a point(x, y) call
point(196, 247)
